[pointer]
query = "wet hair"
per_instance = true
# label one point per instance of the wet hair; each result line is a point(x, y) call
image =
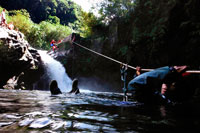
point(75, 88)
point(54, 84)
point(54, 88)
point(75, 83)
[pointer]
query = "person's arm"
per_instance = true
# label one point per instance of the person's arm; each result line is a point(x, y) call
point(77, 91)
point(162, 98)
point(164, 88)
point(138, 72)
point(56, 43)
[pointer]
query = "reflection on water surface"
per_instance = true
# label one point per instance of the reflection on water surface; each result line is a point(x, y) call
point(38, 111)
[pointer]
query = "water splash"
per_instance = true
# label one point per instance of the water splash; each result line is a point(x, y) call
point(56, 71)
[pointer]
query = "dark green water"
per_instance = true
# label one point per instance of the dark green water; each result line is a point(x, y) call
point(92, 112)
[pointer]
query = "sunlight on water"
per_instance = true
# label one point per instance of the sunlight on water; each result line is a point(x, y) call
point(33, 111)
point(56, 71)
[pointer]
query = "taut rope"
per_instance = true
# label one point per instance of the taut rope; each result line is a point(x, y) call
point(189, 71)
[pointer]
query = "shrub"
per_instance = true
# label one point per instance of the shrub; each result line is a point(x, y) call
point(38, 35)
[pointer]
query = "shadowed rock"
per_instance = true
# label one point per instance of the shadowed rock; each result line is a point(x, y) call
point(16, 56)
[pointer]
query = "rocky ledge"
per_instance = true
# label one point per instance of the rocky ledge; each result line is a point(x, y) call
point(20, 64)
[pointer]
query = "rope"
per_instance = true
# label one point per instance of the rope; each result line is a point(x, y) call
point(189, 71)
point(103, 55)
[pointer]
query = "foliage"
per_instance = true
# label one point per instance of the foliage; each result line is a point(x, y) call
point(145, 32)
point(23, 23)
point(123, 51)
point(87, 21)
point(53, 19)
point(38, 35)
point(41, 10)
point(115, 9)
point(53, 31)
point(1, 42)
point(140, 31)
point(22, 12)
point(1, 9)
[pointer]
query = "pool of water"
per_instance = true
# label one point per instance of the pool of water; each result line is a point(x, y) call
point(38, 111)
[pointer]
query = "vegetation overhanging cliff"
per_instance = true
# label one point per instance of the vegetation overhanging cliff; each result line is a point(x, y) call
point(145, 33)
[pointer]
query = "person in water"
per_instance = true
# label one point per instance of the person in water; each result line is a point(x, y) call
point(123, 71)
point(75, 88)
point(156, 85)
point(54, 88)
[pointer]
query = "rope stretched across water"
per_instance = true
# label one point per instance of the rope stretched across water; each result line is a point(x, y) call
point(189, 71)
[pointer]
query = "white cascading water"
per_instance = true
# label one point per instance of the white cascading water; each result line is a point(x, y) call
point(56, 71)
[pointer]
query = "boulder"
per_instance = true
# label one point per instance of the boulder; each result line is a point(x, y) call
point(20, 64)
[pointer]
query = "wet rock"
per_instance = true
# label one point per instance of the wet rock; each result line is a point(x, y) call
point(33, 114)
point(26, 122)
point(37, 113)
point(41, 122)
point(12, 117)
point(58, 124)
point(5, 123)
point(17, 57)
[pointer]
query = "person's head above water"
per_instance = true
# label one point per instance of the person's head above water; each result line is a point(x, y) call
point(75, 83)
point(75, 88)
point(54, 88)
point(54, 84)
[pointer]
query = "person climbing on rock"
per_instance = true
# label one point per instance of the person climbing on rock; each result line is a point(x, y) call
point(75, 88)
point(53, 44)
point(54, 88)
point(11, 26)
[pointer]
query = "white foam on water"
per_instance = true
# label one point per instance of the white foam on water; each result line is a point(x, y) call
point(56, 71)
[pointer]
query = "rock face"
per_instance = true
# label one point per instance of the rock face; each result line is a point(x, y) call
point(20, 64)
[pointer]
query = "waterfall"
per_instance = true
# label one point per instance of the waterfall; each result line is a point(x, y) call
point(56, 71)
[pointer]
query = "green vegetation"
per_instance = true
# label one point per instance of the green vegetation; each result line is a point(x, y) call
point(87, 21)
point(42, 20)
point(38, 35)
point(146, 33)
point(41, 10)
point(1, 43)
point(151, 33)
point(142, 33)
